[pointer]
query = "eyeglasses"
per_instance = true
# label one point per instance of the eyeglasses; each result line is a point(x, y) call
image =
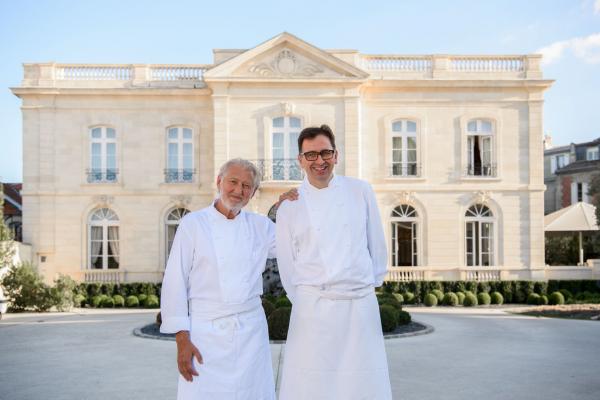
point(313, 155)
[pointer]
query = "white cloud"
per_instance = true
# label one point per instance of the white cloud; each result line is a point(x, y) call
point(597, 7)
point(585, 48)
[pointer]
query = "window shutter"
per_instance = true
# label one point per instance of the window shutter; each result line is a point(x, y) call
point(573, 192)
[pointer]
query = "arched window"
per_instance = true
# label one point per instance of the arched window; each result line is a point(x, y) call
point(480, 148)
point(180, 155)
point(479, 236)
point(404, 148)
point(284, 151)
point(171, 225)
point(103, 239)
point(103, 155)
point(405, 222)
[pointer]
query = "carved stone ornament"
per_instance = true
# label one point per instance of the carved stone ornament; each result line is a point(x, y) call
point(103, 200)
point(482, 196)
point(286, 64)
point(287, 108)
point(181, 200)
point(407, 197)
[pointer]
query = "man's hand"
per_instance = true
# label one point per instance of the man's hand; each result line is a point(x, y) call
point(291, 194)
point(185, 353)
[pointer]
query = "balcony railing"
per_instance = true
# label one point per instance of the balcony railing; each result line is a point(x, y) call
point(485, 170)
point(404, 170)
point(179, 175)
point(104, 276)
point(102, 175)
point(279, 169)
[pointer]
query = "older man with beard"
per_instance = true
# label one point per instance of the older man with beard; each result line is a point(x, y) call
point(211, 294)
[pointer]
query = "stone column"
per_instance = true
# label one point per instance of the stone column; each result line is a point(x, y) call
point(536, 183)
point(352, 134)
point(220, 126)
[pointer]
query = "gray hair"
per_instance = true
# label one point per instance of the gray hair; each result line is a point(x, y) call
point(246, 165)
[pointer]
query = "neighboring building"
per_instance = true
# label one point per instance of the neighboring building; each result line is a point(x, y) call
point(116, 154)
point(12, 208)
point(567, 174)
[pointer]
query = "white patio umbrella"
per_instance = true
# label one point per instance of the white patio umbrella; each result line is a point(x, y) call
point(579, 217)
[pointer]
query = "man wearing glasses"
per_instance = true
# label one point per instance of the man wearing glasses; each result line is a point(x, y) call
point(331, 254)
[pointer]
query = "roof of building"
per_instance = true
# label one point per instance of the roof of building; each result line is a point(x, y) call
point(13, 203)
point(579, 166)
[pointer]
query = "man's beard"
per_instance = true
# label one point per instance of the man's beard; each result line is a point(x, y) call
point(231, 208)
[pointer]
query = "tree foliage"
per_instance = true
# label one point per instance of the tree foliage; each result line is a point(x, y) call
point(594, 194)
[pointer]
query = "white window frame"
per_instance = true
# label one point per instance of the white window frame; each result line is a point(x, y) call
point(101, 175)
point(288, 164)
point(489, 170)
point(478, 220)
point(404, 134)
point(406, 213)
point(110, 220)
point(178, 212)
point(181, 174)
point(592, 153)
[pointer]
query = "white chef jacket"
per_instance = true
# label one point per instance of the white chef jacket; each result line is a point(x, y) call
point(331, 238)
point(216, 266)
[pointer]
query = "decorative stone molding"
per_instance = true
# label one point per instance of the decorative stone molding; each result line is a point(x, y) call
point(104, 200)
point(407, 197)
point(287, 109)
point(482, 196)
point(286, 64)
point(181, 200)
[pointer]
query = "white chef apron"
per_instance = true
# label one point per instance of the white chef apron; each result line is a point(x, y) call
point(236, 354)
point(334, 348)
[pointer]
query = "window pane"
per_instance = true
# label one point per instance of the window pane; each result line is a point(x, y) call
point(110, 133)
point(411, 155)
point(113, 262)
point(486, 126)
point(411, 126)
point(187, 133)
point(411, 142)
point(173, 133)
point(96, 133)
point(295, 122)
point(187, 156)
point(172, 157)
point(397, 126)
point(278, 153)
point(397, 143)
point(277, 139)
point(472, 126)
point(96, 156)
point(293, 145)
point(278, 122)
point(396, 156)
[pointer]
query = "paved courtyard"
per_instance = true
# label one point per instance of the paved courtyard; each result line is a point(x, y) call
point(471, 354)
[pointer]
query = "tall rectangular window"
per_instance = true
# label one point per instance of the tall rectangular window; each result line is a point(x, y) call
point(103, 155)
point(180, 155)
point(404, 148)
point(284, 148)
point(480, 148)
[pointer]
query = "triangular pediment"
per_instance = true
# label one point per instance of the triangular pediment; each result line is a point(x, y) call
point(285, 57)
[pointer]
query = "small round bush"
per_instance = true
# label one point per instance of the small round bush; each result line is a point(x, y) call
point(283, 302)
point(389, 317)
point(403, 318)
point(143, 297)
point(484, 299)
point(79, 300)
point(268, 307)
point(279, 322)
point(533, 299)
point(566, 294)
point(431, 300)
point(389, 299)
point(470, 300)
point(399, 297)
point(450, 299)
point(439, 294)
point(107, 302)
point(556, 298)
point(543, 300)
point(461, 297)
point(152, 301)
point(132, 301)
point(97, 300)
point(409, 297)
point(119, 300)
point(497, 298)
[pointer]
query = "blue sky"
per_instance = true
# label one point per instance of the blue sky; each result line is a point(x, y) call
point(566, 31)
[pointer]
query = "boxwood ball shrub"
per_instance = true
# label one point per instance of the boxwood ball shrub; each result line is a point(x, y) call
point(461, 297)
point(389, 317)
point(268, 307)
point(556, 298)
point(389, 299)
point(143, 297)
point(450, 299)
point(484, 299)
point(152, 301)
point(470, 300)
point(439, 294)
point(279, 322)
point(497, 298)
point(132, 301)
point(399, 297)
point(107, 302)
point(403, 318)
point(79, 300)
point(543, 300)
point(118, 300)
point(409, 297)
point(97, 300)
point(430, 300)
point(283, 302)
point(566, 294)
point(533, 299)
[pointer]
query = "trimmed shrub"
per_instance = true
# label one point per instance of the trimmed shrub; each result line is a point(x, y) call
point(389, 317)
point(403, 318)
point(62, 292)
point(567, 294)
point(142, 299)
point(556, 298)
point(389, 299)
point(470, 300)
point(439, 294)
point(97, 300)
point(79, 300)
point(543, 300)
point(496, 298)
point(399, 297)
point(283, 302)
point(152, 301)
point(118, 300)
point(484, 299)
point(450, 299)
point(409, 297)
point(533, 299)
point(461, 297)
point(132, 301)
point(279, 322)
point(431, 300)
point(107, 302)
point(268, 307)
